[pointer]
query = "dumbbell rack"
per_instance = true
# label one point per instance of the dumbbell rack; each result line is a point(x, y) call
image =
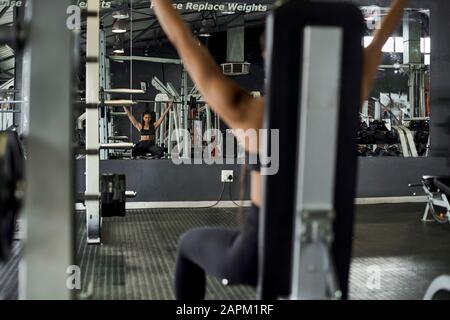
point(375, 145)
point(407, 140)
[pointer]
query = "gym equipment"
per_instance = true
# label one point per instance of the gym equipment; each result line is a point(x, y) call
point(438, 286)
point(392, 137)
point(376, 133)
point(311, 259)
point(11, 188)
point(407, 141)
point(112, 189)
point(394, 151)
point(125, 91)
point(96, 140)
point(437, 190)
point(48, 212)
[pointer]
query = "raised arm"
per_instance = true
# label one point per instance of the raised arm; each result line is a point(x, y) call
point(234, 105)
point(373, 54)
point(133, 120)
point(161, 119)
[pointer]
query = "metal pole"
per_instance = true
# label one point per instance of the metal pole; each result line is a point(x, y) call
point(184, 95)
point(162, 135)
point(208, 124)
point(102, 77)
point(93, 219)
point(157, 109)
point(422, 92)
point(110, 126)
point(169, 138)
point(49, 192)
point(145, 59)
point(312, 268)
point(10, 111)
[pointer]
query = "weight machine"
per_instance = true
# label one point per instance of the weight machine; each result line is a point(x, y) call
point(438, 193)
point(8, 105)
point(306, 232)
point(48, 211)
point(97, 100)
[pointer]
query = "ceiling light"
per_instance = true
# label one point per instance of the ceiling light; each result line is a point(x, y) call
point(118, 27)
point(118, 45)
point(204, 32)
point(120, 15)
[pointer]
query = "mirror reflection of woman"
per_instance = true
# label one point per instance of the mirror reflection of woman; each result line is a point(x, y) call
point(147, 129)
point(224, 253)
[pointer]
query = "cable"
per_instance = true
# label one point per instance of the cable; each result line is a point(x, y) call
point(231, 198)
point(217, 202)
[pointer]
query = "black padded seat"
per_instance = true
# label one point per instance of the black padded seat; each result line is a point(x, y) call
point(443, 183)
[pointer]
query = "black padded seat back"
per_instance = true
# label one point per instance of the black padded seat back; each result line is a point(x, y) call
point(283, 73)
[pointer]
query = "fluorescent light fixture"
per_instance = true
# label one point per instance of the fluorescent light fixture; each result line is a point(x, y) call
point(204, 33)
point(203, 30)
point(118, 27)
point(120, 15)
point(118, 45)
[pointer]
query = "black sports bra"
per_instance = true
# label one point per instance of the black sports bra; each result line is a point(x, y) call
point(148, 132)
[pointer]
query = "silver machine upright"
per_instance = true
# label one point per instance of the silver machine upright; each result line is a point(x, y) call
point(306, 233)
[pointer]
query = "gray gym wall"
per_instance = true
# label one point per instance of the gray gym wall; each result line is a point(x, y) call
point(160, 180)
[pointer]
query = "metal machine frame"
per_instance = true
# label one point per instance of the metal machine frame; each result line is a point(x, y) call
point(307, 210)
point(92, 201)
point(97, 140)
point(312, 264)
point(49, 201)
point(435, 197)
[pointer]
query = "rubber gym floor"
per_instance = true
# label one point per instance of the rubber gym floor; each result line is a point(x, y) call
point(137, 258)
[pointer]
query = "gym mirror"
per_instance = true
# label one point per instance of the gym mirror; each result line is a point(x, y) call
point(394, 120)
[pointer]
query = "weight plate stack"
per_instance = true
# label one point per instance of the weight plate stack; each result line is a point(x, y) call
point(113, 195)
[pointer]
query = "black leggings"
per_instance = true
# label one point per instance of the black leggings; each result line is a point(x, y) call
point(229, 254)
point(143, 147)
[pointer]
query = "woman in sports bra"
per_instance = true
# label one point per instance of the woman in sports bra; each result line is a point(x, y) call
point(147, 130)
point(231, 255)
